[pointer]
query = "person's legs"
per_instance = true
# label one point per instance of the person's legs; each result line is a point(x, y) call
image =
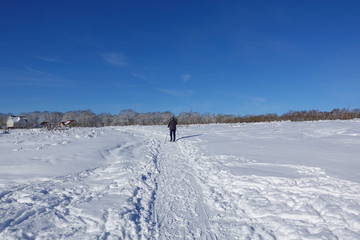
point(172, 135)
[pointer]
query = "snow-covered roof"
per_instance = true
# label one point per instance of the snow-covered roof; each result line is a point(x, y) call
point(18, 118)
point(68, 122)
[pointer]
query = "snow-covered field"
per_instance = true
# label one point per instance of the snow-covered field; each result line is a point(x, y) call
point(280, 180)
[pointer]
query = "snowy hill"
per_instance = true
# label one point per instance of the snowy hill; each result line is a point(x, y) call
point(280, 180)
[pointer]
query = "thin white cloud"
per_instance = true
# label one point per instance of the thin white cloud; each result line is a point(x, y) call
point(144, 78)
point(114, 58)
point(41, 73)
point(177, 93)
point(47, 59)
point(140, 76)
point(185, 78)
point(32, 77)
point(169, 91)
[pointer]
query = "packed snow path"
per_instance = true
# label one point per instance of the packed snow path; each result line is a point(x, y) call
point(253, 181)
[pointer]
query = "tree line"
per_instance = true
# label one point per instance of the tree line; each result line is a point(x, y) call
point(130, 117)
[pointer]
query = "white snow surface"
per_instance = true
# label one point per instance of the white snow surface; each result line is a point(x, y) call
point(280, 180)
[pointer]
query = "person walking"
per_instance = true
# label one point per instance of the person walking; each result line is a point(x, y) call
point(172, 126)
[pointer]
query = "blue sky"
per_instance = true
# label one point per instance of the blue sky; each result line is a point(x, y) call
point(231, 57)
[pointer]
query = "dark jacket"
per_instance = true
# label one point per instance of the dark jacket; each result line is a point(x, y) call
point(172, 124)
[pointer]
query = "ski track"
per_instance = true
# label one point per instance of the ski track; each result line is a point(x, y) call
point(175, 191)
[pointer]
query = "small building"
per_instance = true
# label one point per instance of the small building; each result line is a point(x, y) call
point(69, 123)
point(47, 125)
point(16, 122)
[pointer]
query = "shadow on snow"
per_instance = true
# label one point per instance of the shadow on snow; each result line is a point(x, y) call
point(189, 136)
